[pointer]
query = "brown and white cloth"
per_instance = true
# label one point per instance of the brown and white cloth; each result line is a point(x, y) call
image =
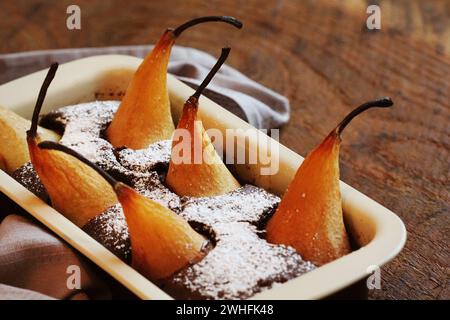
point(34, 263)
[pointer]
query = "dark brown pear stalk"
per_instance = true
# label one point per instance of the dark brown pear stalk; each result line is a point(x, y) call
point(309, 217)
point(209, 176)
point(75, 190)
point(144, 115)
point(161, 241)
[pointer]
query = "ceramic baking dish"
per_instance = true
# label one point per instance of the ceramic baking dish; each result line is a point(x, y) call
point(379, 232)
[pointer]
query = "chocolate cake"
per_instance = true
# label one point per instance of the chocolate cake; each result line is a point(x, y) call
point(30, 180)
point(110, 229)
point(240, 264)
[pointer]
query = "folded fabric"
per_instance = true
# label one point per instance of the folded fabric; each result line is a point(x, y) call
point(262, 107)
point(34, 259)
point(35, 264)
point(13, 293)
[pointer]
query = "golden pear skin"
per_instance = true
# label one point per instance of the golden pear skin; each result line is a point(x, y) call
point(161, 241)
point(200, 173)
point(309, 216)
point(144, 115)
point(75, 190)
point(13, 140)
point(210, 177)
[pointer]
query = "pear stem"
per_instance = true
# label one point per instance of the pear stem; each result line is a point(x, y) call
point(212, 73)
point(40, 100)
point(379, 103)
point(193, 22)
point(50, 145)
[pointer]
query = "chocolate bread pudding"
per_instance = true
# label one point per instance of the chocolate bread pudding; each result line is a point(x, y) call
point(239, 264)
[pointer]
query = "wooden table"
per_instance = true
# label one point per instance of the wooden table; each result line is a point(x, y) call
point(321, 55)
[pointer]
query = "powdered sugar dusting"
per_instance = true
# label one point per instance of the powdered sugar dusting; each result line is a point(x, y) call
point(111, 230)
point(240, 265)
point(27, 176)
point(151, 187)
point(83, 126)
point(246, 204)
point(146, 160)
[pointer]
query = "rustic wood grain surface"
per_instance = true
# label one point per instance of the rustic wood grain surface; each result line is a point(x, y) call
point(320, 55)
